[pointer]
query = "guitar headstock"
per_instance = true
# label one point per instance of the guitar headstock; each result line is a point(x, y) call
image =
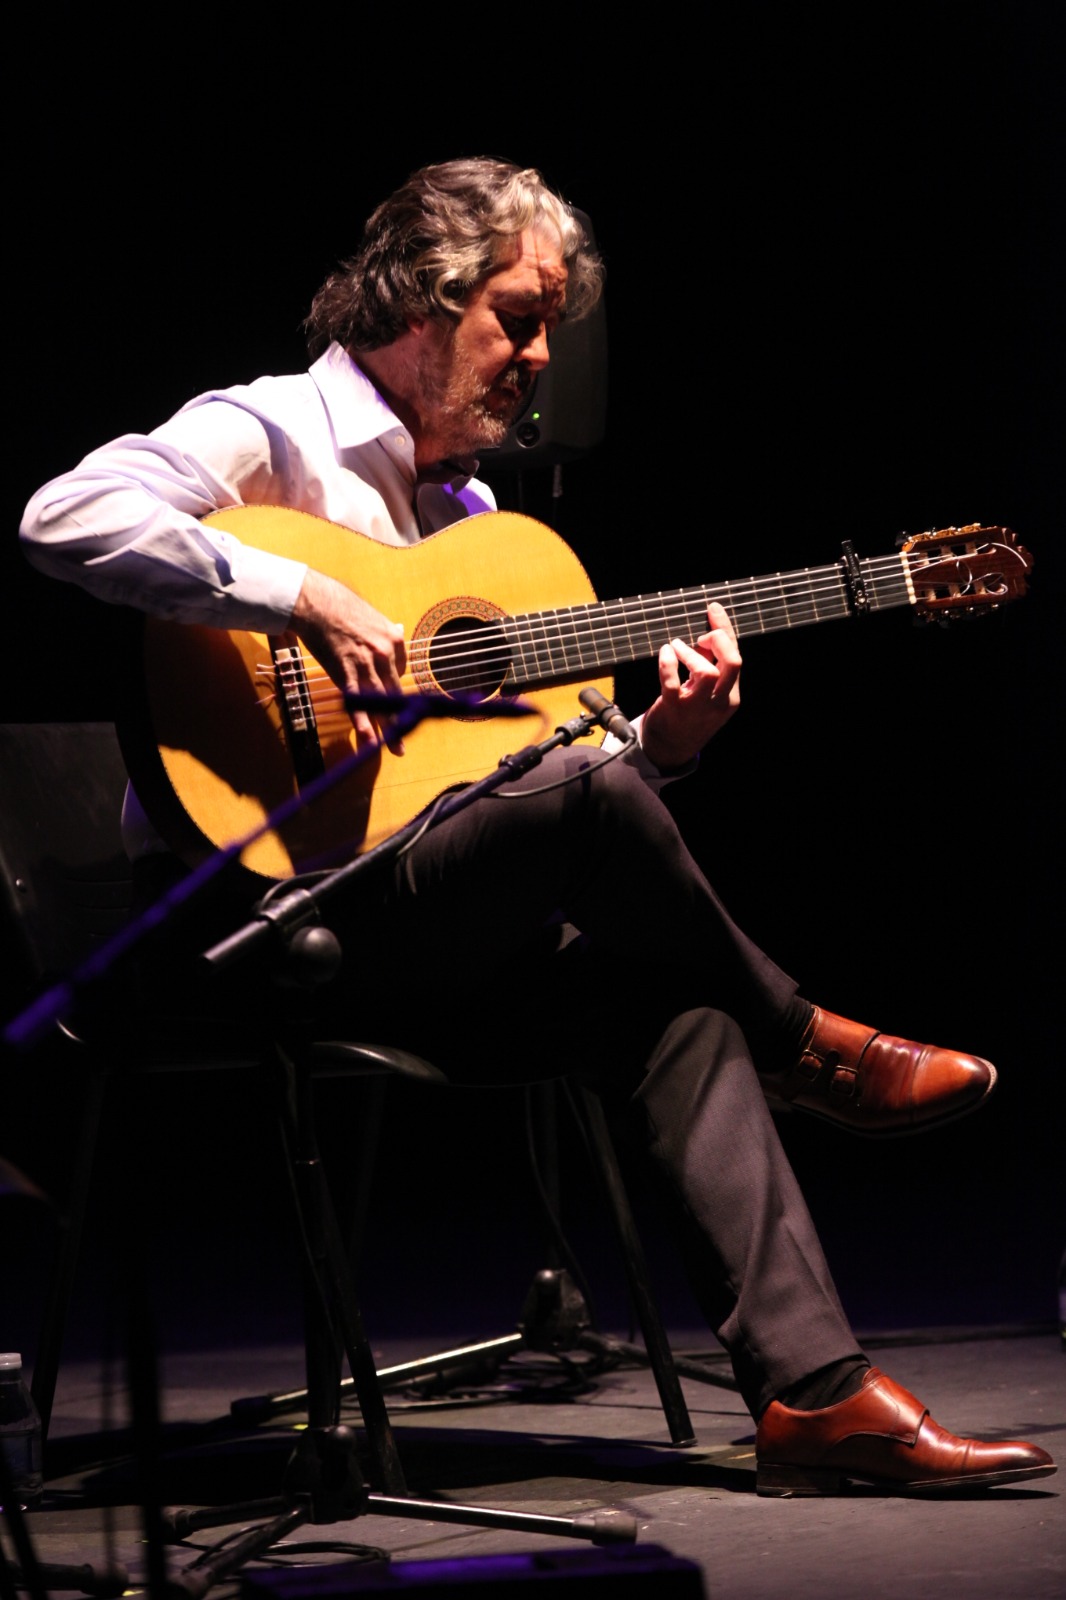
point(960, 571)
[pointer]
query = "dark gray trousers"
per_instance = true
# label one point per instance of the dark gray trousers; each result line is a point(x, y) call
point(663, 1002)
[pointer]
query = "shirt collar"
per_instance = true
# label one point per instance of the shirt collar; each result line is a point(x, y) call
point(356, 410)
point(359, 415)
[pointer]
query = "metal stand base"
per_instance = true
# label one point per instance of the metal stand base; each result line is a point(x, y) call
point(323, 1485)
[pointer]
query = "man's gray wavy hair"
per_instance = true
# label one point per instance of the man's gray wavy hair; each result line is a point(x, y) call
point(437, 237)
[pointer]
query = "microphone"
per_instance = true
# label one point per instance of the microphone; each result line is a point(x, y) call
point(608, 715)
point(438, 705)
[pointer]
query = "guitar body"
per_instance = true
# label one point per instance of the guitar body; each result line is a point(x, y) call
point(211, 756)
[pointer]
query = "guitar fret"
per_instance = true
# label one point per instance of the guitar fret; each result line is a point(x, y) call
point(797, 602)
point(738, 597)
point(788, 601)
point(800, 598)
point(610, 635)
point(516, 644)
point(886, 587)
point(574, 649)
point(649, 637)
point(628, 632)
point(834, 600)
point(540, 645)
point(695, 613)
point(548, 644)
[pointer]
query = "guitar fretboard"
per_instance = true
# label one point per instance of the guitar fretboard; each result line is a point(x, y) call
point(575, 639)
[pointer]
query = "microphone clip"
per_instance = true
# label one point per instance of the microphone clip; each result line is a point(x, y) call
point(606, 714)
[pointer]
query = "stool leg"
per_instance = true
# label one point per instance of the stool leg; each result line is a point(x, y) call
point(660, 1356)
point(331, 1299)
point(61, 1284)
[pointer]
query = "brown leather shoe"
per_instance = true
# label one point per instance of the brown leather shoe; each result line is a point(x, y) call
point(883, 1436)
point(875, 1084)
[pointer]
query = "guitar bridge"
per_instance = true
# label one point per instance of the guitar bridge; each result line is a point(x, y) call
point(297, 711)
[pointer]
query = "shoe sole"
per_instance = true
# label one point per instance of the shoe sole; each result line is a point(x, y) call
point(791, 1482)
point(930, 1125)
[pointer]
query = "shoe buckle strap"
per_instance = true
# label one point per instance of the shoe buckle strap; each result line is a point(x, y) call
point(807, 1071)
point(843, 1083)
point(824, 1073)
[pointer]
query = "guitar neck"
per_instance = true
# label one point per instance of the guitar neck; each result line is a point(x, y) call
point(549, 645)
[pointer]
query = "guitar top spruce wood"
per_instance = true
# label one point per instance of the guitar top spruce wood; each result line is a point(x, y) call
point(233, 725)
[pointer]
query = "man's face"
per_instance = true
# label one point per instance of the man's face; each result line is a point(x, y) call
point(477, 372)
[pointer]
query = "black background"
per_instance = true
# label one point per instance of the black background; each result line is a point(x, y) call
point(834, 306)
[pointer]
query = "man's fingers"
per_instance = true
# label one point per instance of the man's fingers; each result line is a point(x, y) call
point(669, 676)
point(369, 727)
point(702, 668)
point(390, 676)
point(719, 617)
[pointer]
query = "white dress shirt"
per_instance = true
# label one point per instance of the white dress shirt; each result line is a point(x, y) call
point(125, 522)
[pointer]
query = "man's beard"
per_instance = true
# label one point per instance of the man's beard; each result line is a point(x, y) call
point(470, 414)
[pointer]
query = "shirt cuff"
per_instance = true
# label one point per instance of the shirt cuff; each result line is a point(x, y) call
point(635, 757)
point(269, 587)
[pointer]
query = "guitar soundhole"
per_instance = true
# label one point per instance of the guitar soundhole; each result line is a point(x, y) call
point(469, 657)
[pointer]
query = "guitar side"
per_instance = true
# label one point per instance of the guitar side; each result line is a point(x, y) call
point(211, 760)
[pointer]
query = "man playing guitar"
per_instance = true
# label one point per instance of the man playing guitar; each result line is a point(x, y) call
point(429, 340)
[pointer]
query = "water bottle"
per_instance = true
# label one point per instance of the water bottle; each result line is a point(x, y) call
point(20, 1432)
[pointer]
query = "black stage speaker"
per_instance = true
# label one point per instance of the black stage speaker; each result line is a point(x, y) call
point(612, 1573)
point(565, 413)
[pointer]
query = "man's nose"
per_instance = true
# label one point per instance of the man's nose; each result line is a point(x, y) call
point(535, 352)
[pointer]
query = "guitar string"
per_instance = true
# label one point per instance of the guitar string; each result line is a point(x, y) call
point(600, 617)
point(813, 582)
point(589, 622)
point(747, 593)
point(585, 622)
point(766, 594)
point(743, 596)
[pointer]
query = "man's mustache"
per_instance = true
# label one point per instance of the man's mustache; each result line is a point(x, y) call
point(518, 378)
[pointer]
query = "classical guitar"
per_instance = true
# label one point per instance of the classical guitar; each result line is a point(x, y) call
point(235, 723)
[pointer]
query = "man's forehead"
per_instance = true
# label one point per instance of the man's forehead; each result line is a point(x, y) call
point(535, 274)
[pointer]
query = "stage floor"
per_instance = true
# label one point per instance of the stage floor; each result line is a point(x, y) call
point(536, 1440)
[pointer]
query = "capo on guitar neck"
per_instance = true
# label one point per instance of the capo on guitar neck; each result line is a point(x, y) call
point(858, 599)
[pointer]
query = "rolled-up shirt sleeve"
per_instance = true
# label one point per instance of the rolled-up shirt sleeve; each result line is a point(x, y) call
point(125, 524)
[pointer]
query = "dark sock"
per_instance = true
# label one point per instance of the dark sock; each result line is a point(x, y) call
point(798, 1023)
point(776, 1045)
point(828, 1386)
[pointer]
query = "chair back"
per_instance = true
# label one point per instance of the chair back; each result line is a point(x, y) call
point(65, 882)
